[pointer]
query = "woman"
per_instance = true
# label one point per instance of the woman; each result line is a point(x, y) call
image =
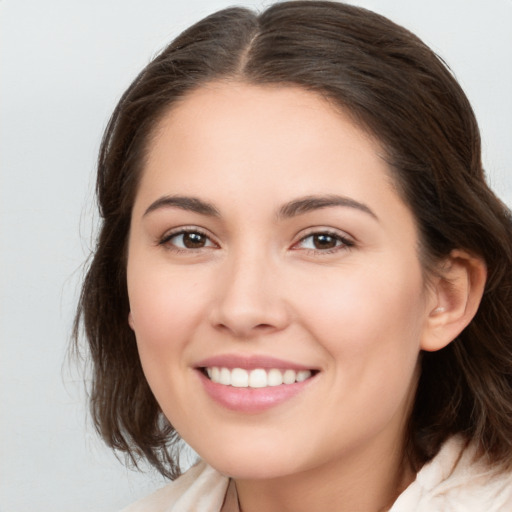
point(302, 273)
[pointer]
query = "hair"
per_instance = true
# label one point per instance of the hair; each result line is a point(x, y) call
point(396, 89)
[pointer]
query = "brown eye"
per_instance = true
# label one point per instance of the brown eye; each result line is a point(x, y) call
point(187, 240)
point(324, 241)
point(194, 240)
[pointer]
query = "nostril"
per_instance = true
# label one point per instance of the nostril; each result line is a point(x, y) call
point(264, 327)
point(243, 331)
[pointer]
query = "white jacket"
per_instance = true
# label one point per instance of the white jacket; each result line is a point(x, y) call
point(451, 482)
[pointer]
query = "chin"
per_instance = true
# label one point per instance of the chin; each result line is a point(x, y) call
point(255, 463)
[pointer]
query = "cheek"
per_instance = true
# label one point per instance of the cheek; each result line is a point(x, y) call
point(165, 310)
point(165, 307)
point(368, 315)
point(370, 327)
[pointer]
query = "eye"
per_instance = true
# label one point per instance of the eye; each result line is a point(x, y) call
point(187, 239)
point(323, 241)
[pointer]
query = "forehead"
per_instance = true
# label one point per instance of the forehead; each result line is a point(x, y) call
point(244, 129)
point(253, 109)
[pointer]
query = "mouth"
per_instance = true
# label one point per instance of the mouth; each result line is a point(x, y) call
point(256, 378)
point(252, 384)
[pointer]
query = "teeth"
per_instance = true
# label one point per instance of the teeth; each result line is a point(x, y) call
point(274, 377)
point(258, 378)
point(289, 376)
point(303, 375)
point(225, 377)
point(239, 377)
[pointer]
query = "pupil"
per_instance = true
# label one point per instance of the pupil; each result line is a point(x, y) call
point(193, 240)
point(324, 242)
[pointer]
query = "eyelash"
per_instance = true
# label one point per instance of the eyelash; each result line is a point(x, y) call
point(165, 241)
point(342, 242)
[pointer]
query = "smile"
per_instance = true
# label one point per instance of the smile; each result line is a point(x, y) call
point(254, 384)
point(256, 378)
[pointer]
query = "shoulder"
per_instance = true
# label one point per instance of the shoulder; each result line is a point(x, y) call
point(200, 488)
point(454, 481)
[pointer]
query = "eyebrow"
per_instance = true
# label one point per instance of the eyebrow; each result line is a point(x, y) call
point(292, 209)
point(191, 204)
point(310, 203)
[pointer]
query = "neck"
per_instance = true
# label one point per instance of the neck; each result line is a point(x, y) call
point(368, 481)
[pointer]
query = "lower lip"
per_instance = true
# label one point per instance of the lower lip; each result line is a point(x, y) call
point(251, 400)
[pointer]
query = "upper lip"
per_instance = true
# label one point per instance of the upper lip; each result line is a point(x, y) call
point(249, 362)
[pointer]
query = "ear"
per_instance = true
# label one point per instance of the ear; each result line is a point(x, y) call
point(130, 321)
point(454, 299)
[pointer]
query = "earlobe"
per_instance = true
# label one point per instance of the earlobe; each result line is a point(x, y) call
point(456, 295)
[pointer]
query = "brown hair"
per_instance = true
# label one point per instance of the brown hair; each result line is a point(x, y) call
point(396, 88)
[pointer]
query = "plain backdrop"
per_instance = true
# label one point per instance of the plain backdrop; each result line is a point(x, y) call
point(64, 63)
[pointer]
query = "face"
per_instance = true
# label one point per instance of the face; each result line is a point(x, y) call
point(275, 288)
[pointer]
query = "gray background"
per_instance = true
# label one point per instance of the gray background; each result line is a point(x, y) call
point(64, 63)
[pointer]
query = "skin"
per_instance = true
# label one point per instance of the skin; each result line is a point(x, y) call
point(357, 309)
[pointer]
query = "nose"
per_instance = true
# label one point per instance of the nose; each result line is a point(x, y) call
point(250, 299)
